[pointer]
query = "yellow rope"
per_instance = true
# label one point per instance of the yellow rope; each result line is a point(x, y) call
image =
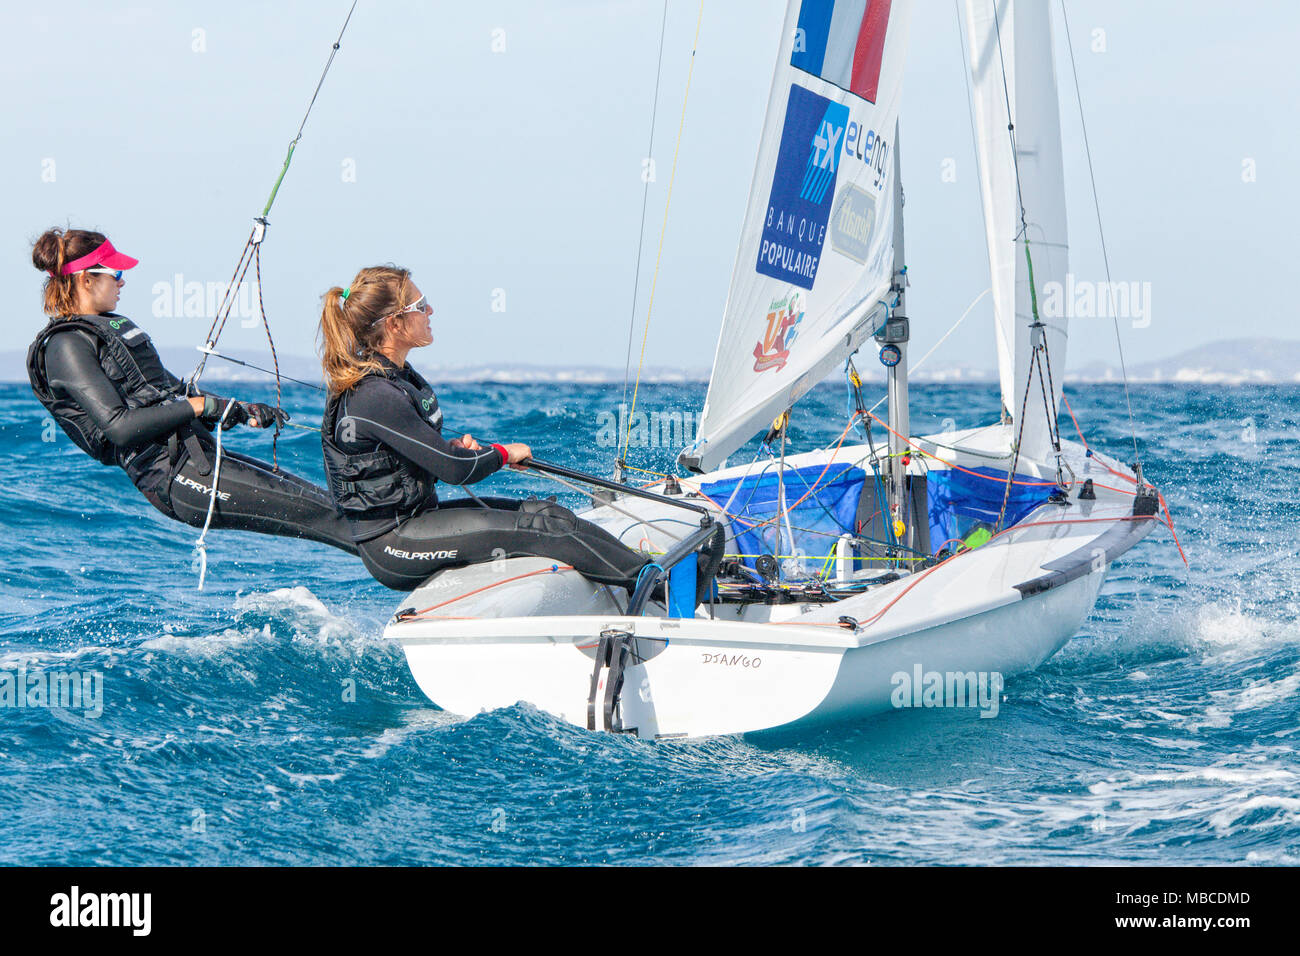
point(657, 474)
point(627, 435)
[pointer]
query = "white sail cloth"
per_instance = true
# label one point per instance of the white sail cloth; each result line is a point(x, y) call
point(815, 261)
point(1011, 59)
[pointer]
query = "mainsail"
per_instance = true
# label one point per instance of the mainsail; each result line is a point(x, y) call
point(815, 261)
point(1014, 84)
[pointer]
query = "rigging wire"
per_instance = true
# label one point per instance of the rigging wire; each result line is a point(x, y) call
point(645, 199)
point(1011, 125)
point(259, 225)
point(934, 348)
point(965, 76)
point(654, 281)
point(301, 126)
point(257, 368)
point(916, 365)
point(1020, 434)
point(1105, 258)
point(252, 256)
point(1169, 518)
point(1037, 332)
point(1015, 163)
point(608, 504)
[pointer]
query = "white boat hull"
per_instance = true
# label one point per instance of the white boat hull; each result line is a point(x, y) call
point(491, 636)
point(702, 685)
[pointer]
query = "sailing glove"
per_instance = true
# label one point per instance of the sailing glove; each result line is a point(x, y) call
point(261, 415)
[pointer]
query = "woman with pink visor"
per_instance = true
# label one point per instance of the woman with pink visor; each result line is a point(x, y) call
point(100, 377)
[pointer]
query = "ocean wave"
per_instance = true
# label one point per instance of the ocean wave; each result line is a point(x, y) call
point(269, 705)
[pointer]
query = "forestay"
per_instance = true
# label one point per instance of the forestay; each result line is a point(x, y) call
point(1011, 61)
point(815, 260)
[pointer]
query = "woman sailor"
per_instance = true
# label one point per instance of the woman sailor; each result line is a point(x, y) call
point(100, 378)
point(385, 453)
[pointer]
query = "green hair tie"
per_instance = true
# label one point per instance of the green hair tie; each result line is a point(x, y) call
point(346, 292)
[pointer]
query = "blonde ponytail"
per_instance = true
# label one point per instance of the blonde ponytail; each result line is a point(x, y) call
point(350, 324)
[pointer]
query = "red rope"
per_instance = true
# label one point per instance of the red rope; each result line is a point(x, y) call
point(1045, 484)
point(460, 597)
point(419, 615)
point(1169, 518)
point(1168, 522)
point(1033, 524)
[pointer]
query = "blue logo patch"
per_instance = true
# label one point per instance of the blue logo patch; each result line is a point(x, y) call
point(803, 186)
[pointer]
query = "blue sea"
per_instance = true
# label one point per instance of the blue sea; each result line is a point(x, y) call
point(263, 720)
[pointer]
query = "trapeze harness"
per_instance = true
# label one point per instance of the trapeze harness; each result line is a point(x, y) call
point(385, 453)
point(100, 378)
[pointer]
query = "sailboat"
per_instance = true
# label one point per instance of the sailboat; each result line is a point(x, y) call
point(862, 577)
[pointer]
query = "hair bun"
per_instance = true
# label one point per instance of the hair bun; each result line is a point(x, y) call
point(47, 251)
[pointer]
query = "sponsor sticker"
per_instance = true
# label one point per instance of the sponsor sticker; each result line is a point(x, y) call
point(421, 555)
point(852, 223)
point(201, 488)
point(783, 318)
point(803, 187)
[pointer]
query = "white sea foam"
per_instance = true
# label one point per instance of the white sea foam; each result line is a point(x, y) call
point(299, 607)
point(413, 722)
point(1165, 715)
point(206, 646)
point(1167, 744)
point(1275, 857)
point(311, 621)
point(1219, 795)
point(1247, 776)
point(303, 779)
point(1224, 819)
point(1231, 633)
point(37, 659)
point(1259, 693)
point(1213, 717)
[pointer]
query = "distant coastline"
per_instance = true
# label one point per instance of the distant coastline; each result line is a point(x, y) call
point(1233, 362)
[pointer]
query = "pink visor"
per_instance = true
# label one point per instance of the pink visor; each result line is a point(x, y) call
point(105, 256)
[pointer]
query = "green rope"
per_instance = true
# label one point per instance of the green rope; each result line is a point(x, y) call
point(301, 126)
point(1033, 292)
point(275, 189)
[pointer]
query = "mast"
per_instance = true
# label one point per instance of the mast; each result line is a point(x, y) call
point(894, 335)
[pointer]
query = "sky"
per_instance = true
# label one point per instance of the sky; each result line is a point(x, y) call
point(496, 149)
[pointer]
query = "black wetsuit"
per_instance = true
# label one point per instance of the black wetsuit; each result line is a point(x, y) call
point(103, 382)
point(384, 454)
